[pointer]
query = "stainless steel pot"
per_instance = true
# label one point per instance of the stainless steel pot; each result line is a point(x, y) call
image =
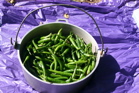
point(46, 87)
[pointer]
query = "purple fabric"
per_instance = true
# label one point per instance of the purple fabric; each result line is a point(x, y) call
point(118, 69)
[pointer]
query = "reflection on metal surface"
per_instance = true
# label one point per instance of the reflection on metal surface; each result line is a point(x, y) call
point(11, 1)
point(41, 23)
point(66, 15)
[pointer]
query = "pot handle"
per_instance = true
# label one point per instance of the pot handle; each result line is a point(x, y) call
point(62, 20)
point(16, 45)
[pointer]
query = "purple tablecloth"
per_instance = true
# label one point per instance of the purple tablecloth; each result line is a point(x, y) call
point(118, 69)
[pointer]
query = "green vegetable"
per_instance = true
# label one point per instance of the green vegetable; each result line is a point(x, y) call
point(73, 42)
point(60, 72)
point(78, 62)
point(55, 80)
point(57, 58)
point(44, 40)
point(26, 59)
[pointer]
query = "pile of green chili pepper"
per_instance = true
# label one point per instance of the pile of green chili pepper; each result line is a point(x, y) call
point(59, 59)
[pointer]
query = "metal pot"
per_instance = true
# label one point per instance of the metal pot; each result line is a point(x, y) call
point(46, 87)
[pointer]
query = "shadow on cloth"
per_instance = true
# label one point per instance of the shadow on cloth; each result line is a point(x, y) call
point(103, 78)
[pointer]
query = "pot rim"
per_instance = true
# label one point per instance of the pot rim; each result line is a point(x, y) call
point(61, 84)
